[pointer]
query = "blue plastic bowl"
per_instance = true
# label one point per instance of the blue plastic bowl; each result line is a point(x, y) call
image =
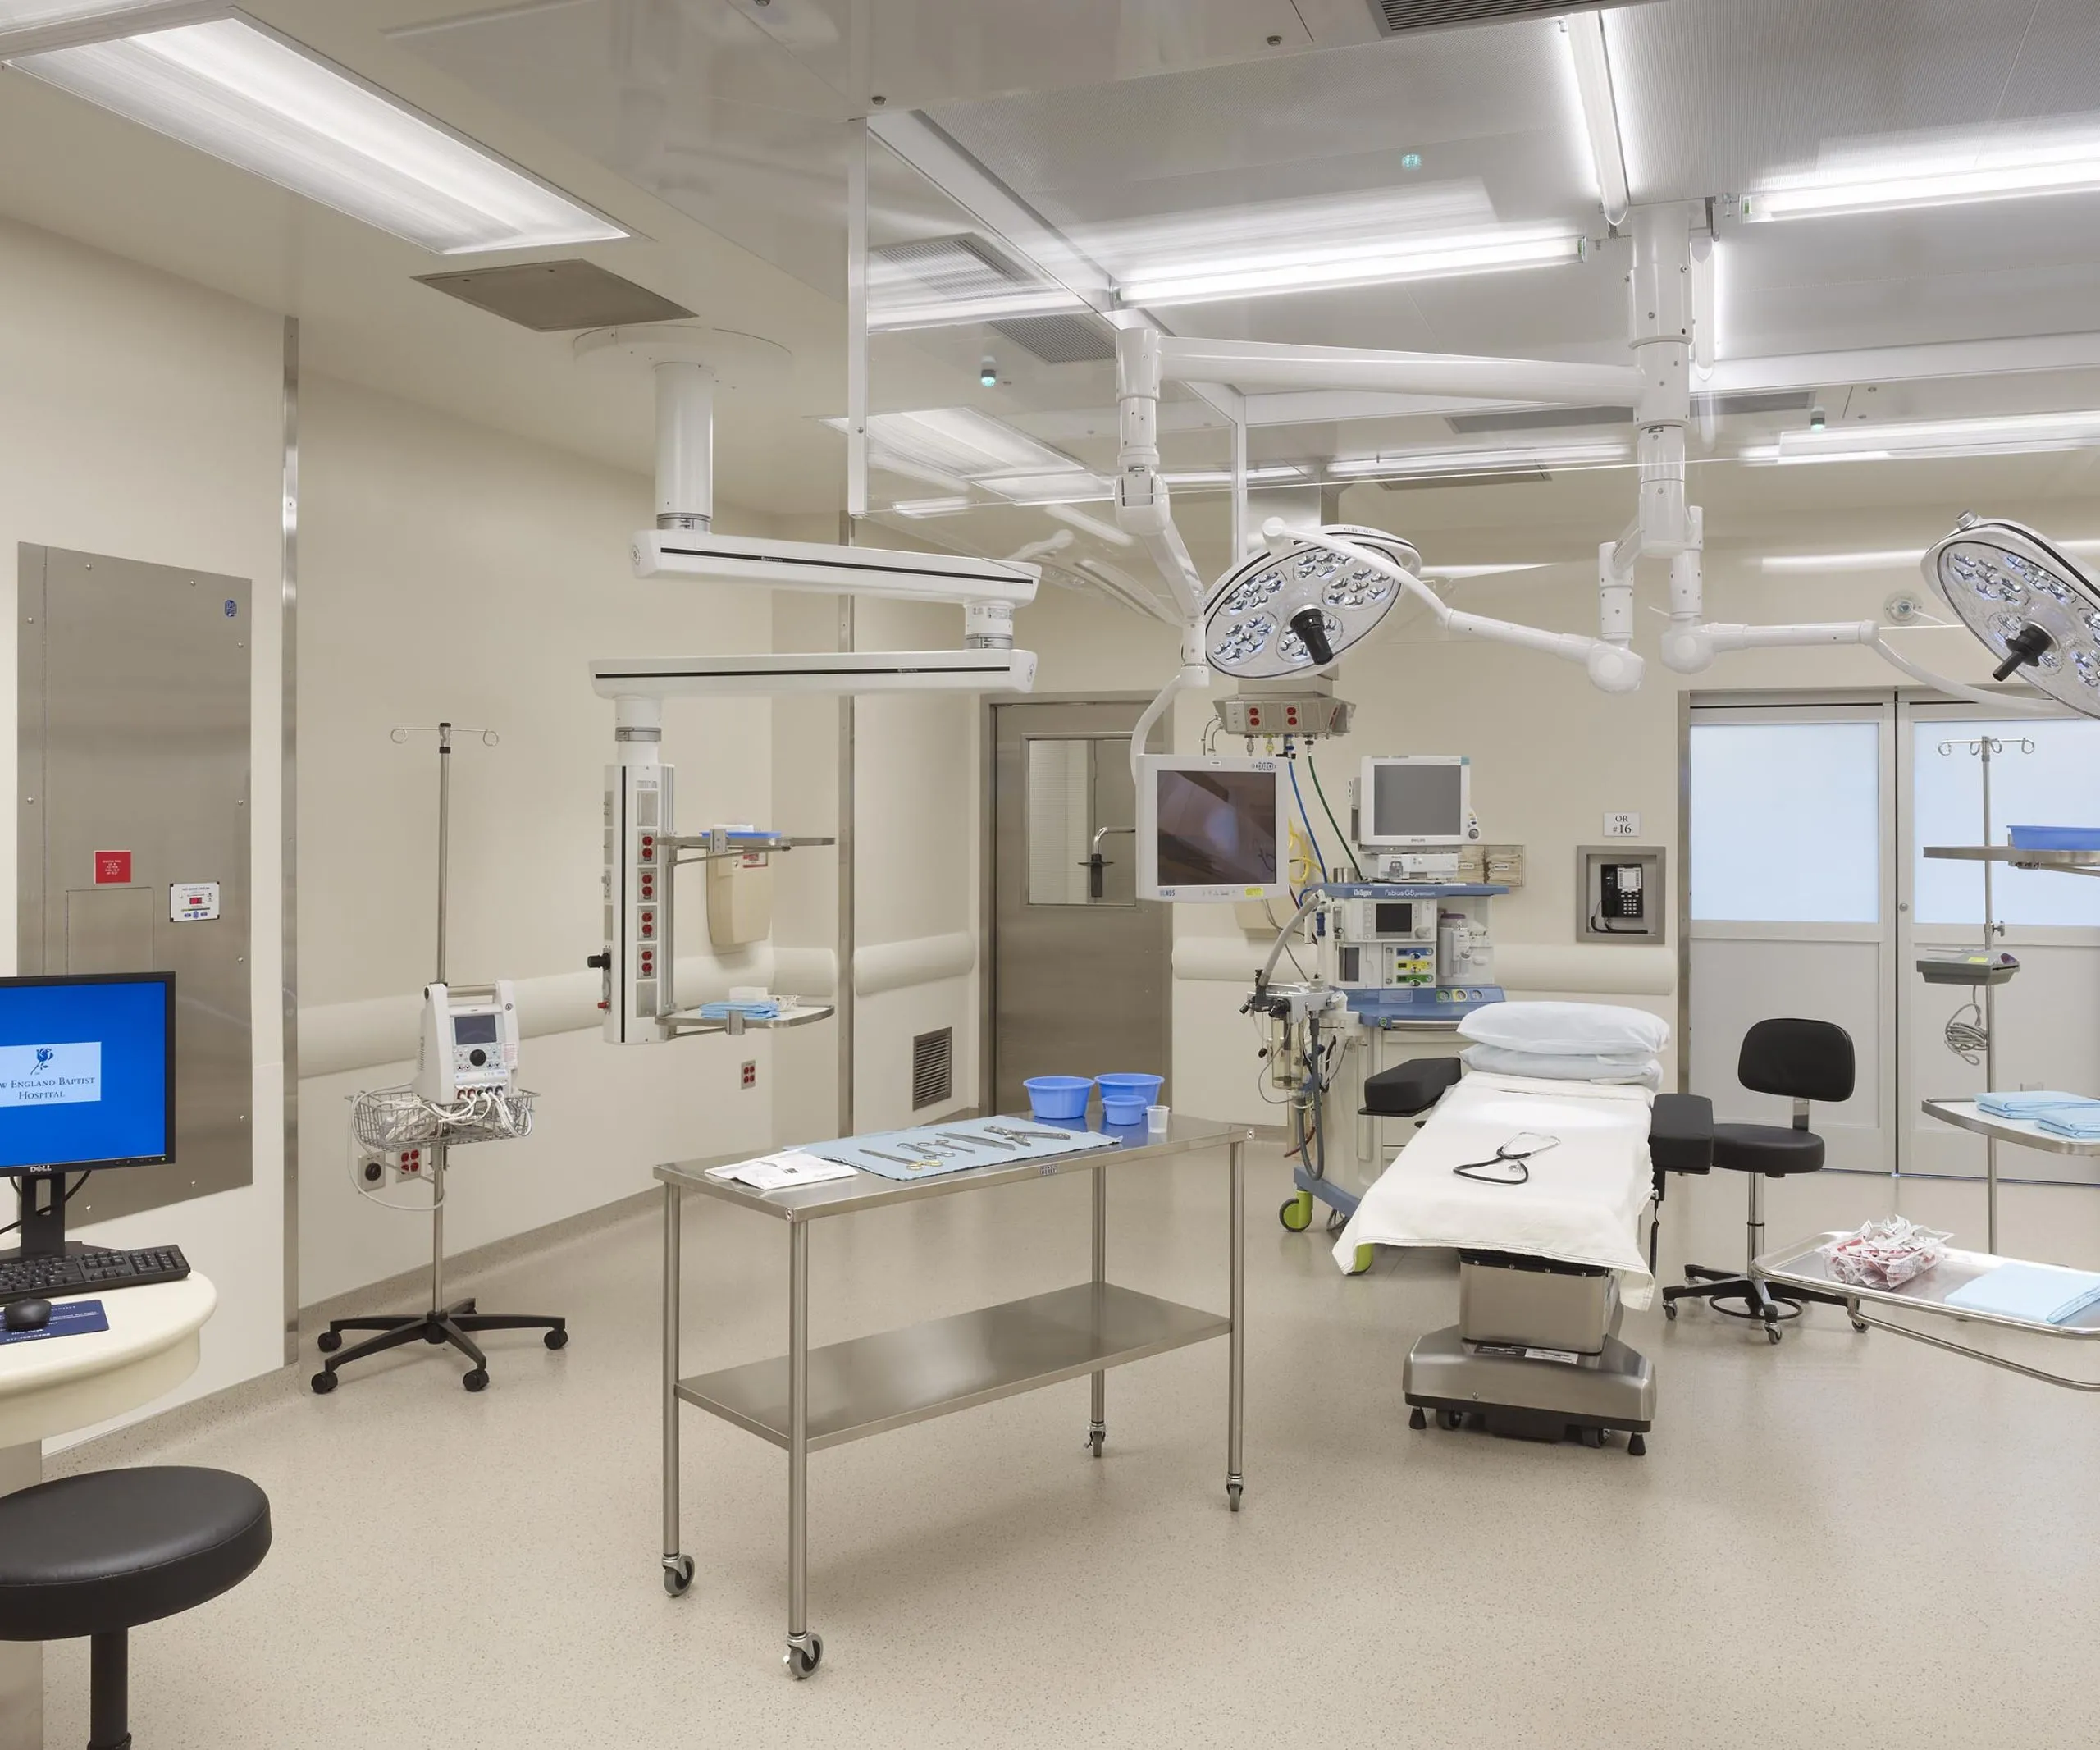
point(2055, 838)
point(1123, 1098)
point(1057, 1096)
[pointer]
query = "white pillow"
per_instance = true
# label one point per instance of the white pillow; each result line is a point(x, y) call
point(1631, 1068)
point(1579, 1029)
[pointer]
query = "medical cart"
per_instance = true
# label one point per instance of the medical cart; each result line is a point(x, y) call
point(809, 1398)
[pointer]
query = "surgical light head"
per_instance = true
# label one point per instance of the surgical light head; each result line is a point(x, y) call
point(1294, 609)
point(2033, 606)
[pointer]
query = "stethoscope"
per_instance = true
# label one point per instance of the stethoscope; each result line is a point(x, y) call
point(1508, 1154)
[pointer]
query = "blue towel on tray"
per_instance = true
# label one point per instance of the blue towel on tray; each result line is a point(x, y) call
point(2072, 1124)
point(2040, 1292)
point(2031, 1102)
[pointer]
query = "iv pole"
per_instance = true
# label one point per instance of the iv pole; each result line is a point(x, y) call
point(440, 1323)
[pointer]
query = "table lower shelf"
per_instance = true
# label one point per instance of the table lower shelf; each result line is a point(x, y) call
point(871, 1384)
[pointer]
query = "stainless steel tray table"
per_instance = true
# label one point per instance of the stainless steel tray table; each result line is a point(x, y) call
point(1802, 1265)
point(809, 1399)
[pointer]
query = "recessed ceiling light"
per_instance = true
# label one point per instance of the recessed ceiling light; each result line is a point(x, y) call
point(1410, 464)
point(1923, 439)
point(261, 102)
point(1951, 171)
point(1599, 104)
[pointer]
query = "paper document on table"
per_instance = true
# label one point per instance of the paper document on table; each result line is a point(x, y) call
point(777, 1173)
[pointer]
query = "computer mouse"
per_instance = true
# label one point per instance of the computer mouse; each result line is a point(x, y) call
point(27, 1315)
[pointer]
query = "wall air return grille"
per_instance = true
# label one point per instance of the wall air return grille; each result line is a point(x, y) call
point(932, 1068)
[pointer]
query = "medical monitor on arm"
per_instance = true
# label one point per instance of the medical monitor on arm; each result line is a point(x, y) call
point(1210, 828)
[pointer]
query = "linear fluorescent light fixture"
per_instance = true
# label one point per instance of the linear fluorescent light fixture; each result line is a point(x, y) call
point(1298, 267)
point(1269, 473)
point(1593, 83)
point(1880, 559)
point(1946, 173)
point(931, 507)
point(261, 102)
point(1458, 574)
point(2020, 434)
point(1421, 464)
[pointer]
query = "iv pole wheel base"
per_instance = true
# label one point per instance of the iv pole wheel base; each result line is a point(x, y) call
point(1296, 1214)
point(329, 1342)
point(323, 1383)
point(804, 1654)
point(677, 1575)
point(477, 1379)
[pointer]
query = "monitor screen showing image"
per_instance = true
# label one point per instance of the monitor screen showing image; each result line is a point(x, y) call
point(86, 1072)
point(1217, 829)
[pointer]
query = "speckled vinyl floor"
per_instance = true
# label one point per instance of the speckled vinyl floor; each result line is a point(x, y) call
point(1840, 1541)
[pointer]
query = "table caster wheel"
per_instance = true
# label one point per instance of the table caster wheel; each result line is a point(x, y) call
point(1417, 1418)
point(1233, 1491)
point(1296, 1214)
point(1360, 1261)
point(1096, 1439)
point(1448, 1419)
point(1593, 1438)
point(1637, 1445)
point(556, 1339)
point(1771, 1333)
point(801, 1661)
point(323, 1383)
point(329, 1342)
point(1860, 1325)
point(677, 1574)
point(477, 1379)
point(1669, 1311)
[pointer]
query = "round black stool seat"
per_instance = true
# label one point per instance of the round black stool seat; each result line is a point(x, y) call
point(100, 1553)
point(1775, 1150)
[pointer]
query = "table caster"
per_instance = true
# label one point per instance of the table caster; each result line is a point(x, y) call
point(1234, 1489)
point(477, 1379)
point(1097, 1437)
point(677, 1574)
point(1296, 1214)
point(323, 1383)
point(1669, 1311)
point(329, 1342)
point(804, 1654)
point(557, 1338)
point(1772, 1333)
point(1637, 1445)
point(1448, 1419)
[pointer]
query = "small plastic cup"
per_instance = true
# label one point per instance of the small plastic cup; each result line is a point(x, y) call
point(1156, 1120)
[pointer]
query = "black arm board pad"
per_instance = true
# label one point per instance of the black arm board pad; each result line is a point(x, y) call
point(1681, 1133)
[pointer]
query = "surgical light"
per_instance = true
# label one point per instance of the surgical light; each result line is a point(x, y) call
point(2033, 607)
point(2019, 434)
point(1295, 610)
point(262, 103)
point(1300, 266)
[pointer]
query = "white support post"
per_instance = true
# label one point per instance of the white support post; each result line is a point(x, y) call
point(685, 444)
point(1662, 350)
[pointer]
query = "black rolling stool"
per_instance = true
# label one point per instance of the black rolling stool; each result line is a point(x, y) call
point(1797, 1060)
point(100, 1554)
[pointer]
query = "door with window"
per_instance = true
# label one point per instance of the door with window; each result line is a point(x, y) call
point(1790, 829)
point(1080, 970)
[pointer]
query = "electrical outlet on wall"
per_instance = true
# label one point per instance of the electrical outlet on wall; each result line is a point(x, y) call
point(751, 1072)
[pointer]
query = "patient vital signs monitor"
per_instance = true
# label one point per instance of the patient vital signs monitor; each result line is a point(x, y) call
point(1210, 828)
point(1414, 800)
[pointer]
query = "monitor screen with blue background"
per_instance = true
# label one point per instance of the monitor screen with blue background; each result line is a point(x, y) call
point(85, 1068)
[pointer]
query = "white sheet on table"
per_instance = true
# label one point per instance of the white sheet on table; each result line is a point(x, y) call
point(1582, 1204)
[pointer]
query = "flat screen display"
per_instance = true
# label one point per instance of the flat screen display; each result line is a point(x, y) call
point(1417, 802)
point(474, 1030)
point(86, 1072)
point(1217, 829)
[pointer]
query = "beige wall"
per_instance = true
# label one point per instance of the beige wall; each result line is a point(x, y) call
point(142, 416)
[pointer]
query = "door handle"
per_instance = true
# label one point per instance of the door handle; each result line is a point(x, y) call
point(1097, 865)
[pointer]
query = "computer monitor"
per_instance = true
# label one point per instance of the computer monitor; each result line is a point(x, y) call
point(1415, 800)
point(1210, 828)
point(87, 1081)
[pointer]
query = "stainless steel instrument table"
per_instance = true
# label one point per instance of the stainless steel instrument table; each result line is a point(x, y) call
point(1802, 1265)
point(808, 1399)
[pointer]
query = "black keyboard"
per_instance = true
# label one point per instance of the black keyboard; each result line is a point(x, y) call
point(87, 1272)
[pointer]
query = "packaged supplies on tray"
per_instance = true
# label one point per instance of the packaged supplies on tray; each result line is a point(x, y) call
point(1885, 1254)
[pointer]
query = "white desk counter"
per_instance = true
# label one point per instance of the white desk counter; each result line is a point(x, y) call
point(57, 1385)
